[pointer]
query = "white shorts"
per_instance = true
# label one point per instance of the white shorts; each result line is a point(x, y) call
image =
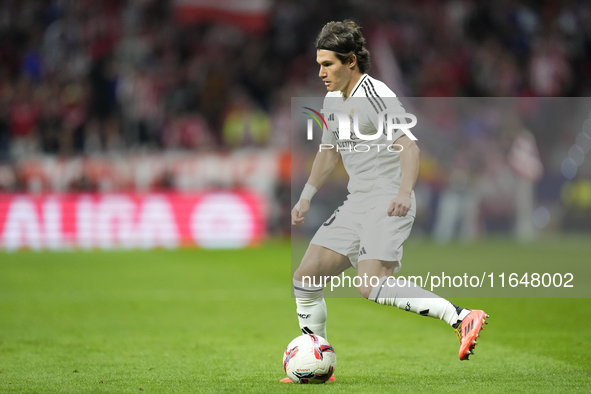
point(360, 233)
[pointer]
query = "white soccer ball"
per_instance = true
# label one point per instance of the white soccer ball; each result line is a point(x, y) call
point(309, 359)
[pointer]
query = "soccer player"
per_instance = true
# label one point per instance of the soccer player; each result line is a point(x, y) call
point(368, 230)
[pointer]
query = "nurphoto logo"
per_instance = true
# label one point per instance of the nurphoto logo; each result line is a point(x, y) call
point(347, 133)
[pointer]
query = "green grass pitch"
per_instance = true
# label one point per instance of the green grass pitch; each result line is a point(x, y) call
point(193, 321)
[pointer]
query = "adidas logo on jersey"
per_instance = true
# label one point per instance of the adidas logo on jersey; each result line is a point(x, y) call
point(362, 251)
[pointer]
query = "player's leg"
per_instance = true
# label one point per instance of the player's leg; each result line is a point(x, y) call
point(381, 249)
point(380, 253)
point(382, 287)
point(308, 283)
point(318, 263)
point(329, 254)
point(408, 296)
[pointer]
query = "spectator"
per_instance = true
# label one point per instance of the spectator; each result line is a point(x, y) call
point(24, 116)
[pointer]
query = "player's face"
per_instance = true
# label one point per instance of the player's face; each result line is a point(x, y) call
point(335, 75)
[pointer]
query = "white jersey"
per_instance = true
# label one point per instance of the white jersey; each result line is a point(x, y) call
point(377, 170)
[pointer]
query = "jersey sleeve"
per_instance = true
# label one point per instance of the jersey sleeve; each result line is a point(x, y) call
point(386, 101)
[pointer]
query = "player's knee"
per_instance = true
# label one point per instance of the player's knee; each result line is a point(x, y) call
point(297, 275)
point(310, 267)
point(307, 278)
point(304, 270)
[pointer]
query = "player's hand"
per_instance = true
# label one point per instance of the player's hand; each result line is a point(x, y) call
point(297, 216)
point(400, 205)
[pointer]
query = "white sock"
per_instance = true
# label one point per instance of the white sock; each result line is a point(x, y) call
point(418, 300)
point(311, 308)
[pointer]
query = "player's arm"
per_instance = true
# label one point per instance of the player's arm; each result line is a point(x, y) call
point(324, 164)
point(409, 167)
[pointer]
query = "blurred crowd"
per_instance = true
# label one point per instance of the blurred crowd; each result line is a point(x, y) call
point(85, 76)
point(81, 78)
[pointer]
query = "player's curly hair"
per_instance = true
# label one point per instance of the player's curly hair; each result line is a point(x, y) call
point(344, 39)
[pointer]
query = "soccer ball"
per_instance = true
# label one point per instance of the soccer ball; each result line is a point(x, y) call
point(309, 359)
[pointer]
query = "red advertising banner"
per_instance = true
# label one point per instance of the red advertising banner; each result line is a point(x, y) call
point(216, 219)
point(251, 15)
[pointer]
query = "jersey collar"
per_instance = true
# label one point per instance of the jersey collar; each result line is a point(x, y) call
point(357, 85)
